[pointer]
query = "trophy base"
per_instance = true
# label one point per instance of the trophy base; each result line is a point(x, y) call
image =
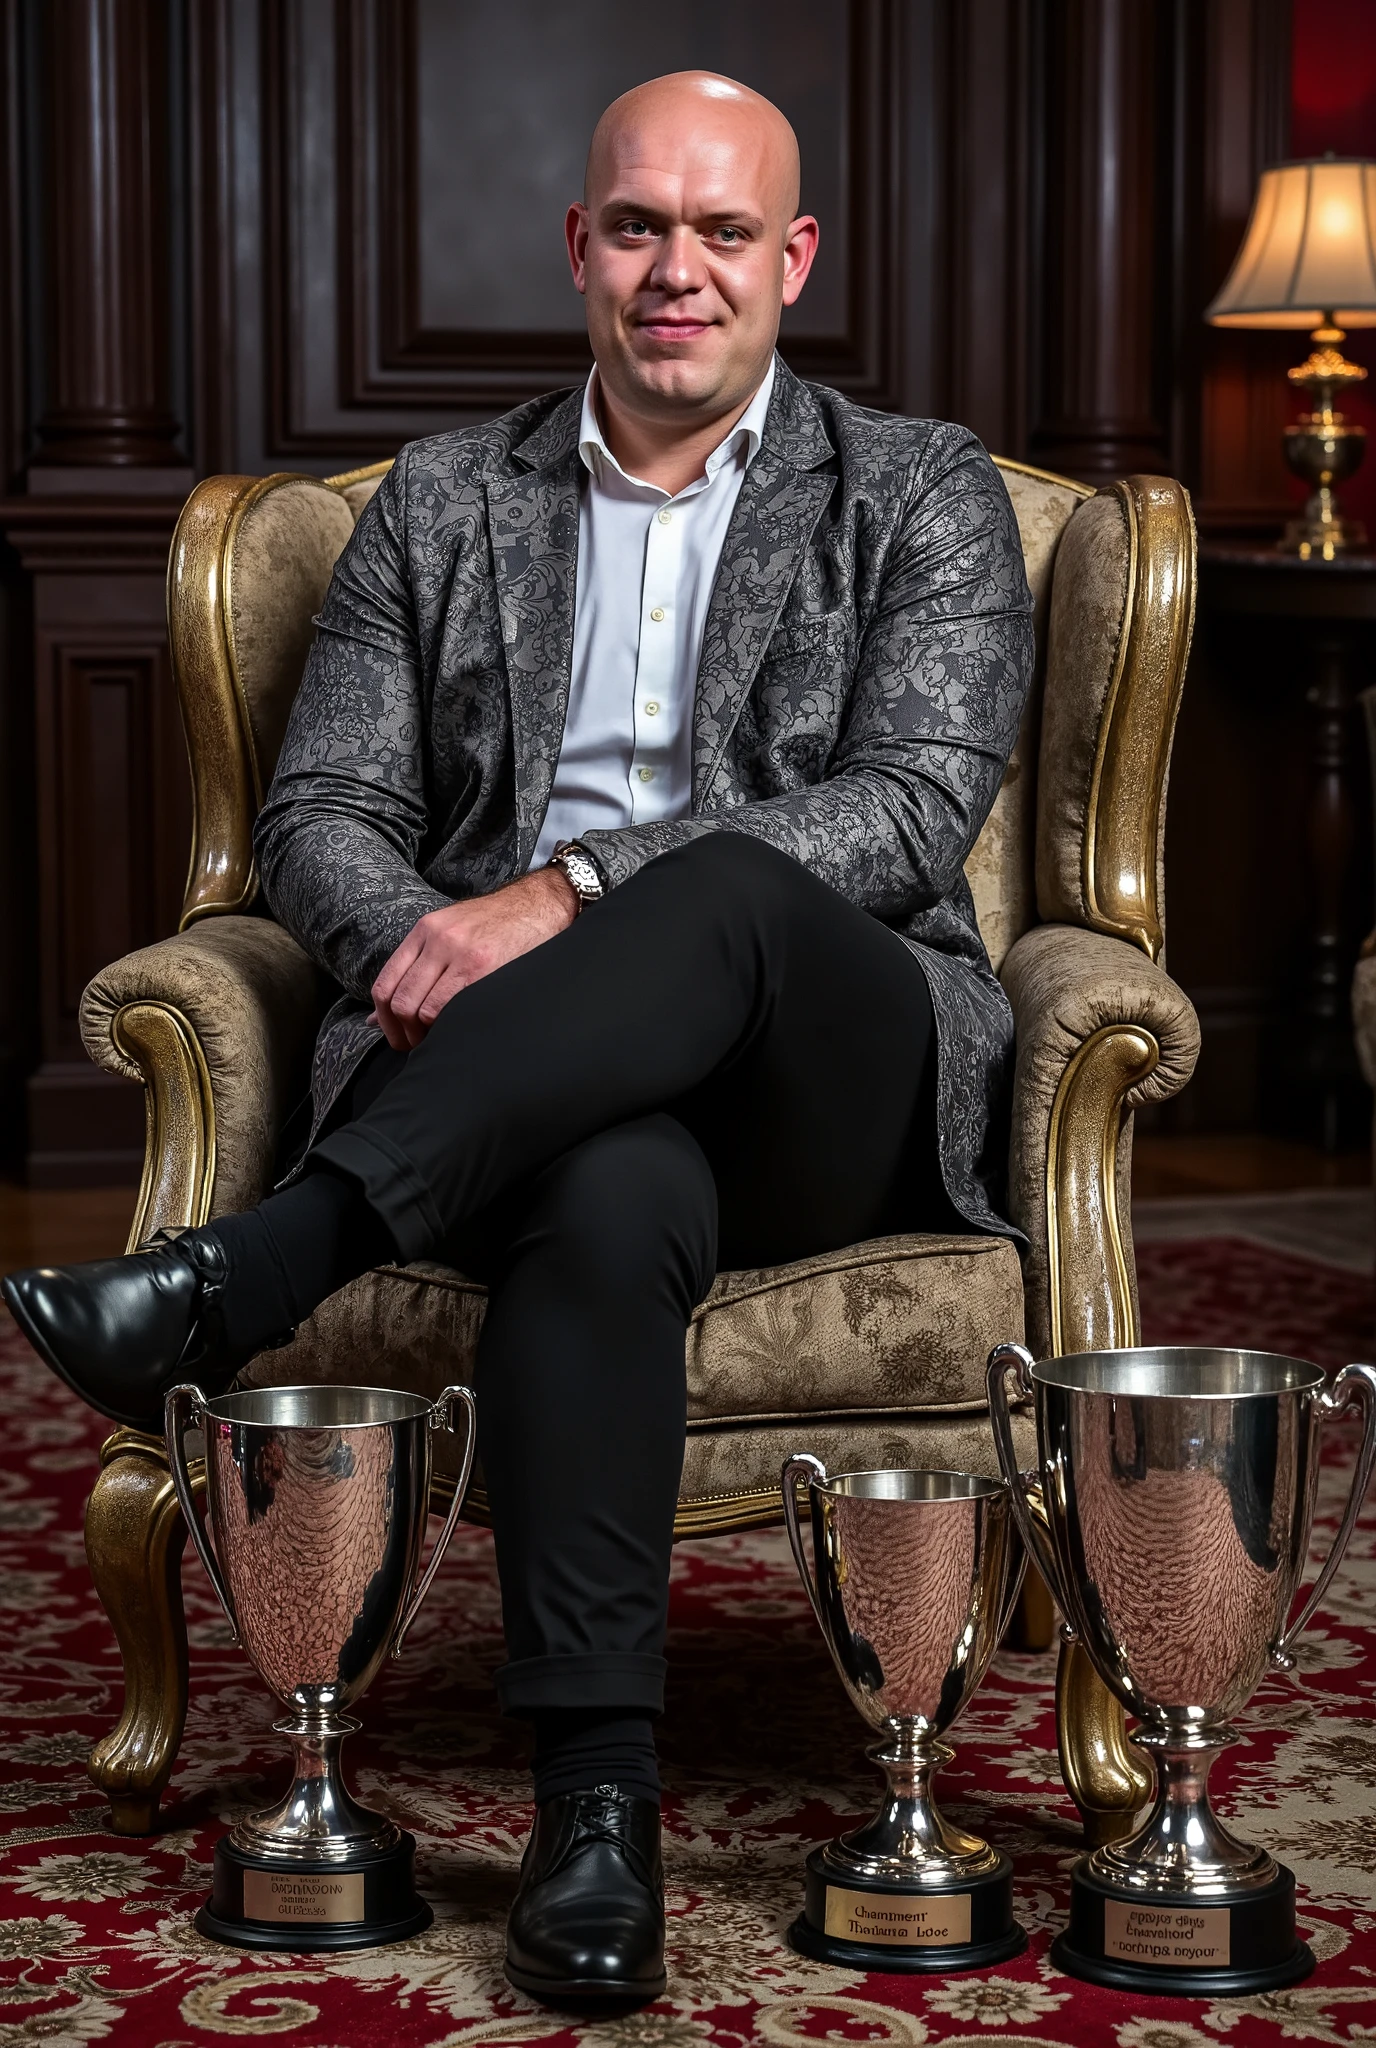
point(314, 1908)
point(880, 1924)
point(1199, 1949)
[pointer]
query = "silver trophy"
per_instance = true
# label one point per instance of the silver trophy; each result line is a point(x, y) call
point(316, 1500)
point(1176, 1494)
point(914, 1575)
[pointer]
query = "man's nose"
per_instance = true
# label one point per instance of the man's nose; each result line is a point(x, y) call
point(680, 266)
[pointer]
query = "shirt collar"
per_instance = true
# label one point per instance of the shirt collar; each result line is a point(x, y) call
point(747, 434)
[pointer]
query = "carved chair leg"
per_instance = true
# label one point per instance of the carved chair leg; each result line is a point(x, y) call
point(135, 1536)
point(1109, 1779)
point(1034, 1618)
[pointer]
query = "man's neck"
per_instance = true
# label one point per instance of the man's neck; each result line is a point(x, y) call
point(659, 452)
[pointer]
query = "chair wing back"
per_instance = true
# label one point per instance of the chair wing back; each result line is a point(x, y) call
point(1001, 869)
point(1122, 612)
point(251, 562)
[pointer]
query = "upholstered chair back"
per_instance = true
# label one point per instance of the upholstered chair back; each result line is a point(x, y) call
point(1075, 834)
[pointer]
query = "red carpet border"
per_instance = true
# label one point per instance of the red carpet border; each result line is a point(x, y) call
point(763, 1757)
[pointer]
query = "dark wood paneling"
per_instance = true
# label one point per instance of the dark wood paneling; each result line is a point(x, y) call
point(415, 268)
point(113, 801)
point(108, 402)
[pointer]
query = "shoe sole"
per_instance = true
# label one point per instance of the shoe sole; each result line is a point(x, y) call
point(583, 1991)
point(41, 1346)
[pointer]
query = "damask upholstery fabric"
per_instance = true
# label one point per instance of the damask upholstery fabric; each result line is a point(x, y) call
point(1065, 984)
point(253, 999)
point(1002, 863)
point(881, 1340)
point(277, 572)
point(1364, 1017)
point(1088, 606)
point(865, 662)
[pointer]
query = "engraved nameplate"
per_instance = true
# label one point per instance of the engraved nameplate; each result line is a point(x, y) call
point(887, 1921)
point(304, 1895)
point(1168, 1937)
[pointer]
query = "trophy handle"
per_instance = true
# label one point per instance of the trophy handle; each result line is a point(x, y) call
point(1034, 1532)
point(442, 1417)
point(802, 1465)
point(184, 1407)
point(1353, 1383)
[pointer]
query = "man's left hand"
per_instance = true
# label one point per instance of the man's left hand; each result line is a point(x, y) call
point(452, 947)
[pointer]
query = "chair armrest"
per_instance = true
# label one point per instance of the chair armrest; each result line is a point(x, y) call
point(1364, 1015)
point(218, 1023)
point(1100, 1030)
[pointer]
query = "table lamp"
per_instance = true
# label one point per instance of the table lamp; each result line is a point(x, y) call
point(1308, 259)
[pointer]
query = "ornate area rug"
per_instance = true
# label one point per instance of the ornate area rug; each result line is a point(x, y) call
point(763, 1757)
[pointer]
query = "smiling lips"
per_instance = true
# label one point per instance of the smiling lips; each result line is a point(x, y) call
point(674, 330)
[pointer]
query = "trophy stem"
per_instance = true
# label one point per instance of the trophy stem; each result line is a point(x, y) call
point(1183, 1847)
point(319, 1820)
point(909, 1837)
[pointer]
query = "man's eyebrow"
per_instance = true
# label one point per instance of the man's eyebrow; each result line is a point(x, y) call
point(629, 209)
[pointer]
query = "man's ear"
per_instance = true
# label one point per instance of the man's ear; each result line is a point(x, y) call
point(576, 225)
point(800, 248)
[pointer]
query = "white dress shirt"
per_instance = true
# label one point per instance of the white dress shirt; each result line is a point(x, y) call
point(646, 566)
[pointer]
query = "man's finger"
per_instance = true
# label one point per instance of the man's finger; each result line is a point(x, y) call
point(395, 967)
point(445, 989)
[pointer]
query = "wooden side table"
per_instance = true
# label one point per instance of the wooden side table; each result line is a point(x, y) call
point(1333, 604)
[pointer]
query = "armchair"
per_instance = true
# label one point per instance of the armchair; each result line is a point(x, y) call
point(871, 1355)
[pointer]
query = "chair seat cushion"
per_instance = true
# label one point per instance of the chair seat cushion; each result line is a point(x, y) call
point(898, 1325)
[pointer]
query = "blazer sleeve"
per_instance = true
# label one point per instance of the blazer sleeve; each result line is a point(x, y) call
point(338, 839)
point(943, 671)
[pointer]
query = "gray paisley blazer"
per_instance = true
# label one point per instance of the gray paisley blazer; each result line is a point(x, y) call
point(867, 651)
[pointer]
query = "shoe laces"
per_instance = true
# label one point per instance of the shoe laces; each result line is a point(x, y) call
point(601, 1816)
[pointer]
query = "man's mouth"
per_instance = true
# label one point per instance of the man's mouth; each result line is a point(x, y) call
point(674, 330)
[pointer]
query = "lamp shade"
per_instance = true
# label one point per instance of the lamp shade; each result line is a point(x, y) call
point(1309, 250)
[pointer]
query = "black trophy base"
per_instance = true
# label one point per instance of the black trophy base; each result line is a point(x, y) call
point(1172, 1949)
point(865, 1923)
point(314, 1908)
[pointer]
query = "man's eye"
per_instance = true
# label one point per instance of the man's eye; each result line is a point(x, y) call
point(638, 228)
point(730, 235)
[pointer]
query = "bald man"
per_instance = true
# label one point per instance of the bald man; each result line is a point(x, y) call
point(625, 799)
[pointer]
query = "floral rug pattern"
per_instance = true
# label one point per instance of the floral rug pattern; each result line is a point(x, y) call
point(762, 1755)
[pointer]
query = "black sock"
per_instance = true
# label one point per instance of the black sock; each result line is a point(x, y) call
point(292, 1252)
point(579, 1748)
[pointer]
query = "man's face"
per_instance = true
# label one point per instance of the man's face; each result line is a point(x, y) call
point(686, 253)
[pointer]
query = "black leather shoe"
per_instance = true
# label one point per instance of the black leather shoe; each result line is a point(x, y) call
point(120, 1332)
point(587, 1927)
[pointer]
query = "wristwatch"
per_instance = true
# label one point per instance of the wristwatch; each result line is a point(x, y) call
point(581, 869)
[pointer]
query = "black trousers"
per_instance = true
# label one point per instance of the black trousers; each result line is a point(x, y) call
point(724, 1064)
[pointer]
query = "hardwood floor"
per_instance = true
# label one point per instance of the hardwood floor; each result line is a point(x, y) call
point(51, 1226)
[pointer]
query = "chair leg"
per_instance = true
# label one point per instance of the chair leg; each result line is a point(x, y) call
point(1109, 1779)
point(1034, 1618)
point(135, 1536)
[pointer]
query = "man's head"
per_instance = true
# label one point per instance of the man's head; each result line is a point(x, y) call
point(688, 244)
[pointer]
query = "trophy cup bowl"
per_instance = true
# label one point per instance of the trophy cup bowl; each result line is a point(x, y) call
point(914, 1575)
point(316, 1501)
point(1177, 1491)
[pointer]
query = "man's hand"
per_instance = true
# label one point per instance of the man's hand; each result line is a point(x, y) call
point(449, 948)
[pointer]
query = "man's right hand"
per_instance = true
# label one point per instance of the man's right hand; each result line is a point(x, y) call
point(452, 947)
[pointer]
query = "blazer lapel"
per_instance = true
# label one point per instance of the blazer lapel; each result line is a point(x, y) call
point(533, 524)
point(780, 502)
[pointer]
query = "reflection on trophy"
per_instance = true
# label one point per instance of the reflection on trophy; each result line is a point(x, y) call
point(316, 1498)
point(914, 1575)
point(1177, 1489)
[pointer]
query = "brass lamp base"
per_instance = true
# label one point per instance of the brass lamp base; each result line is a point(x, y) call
point(1324, 448)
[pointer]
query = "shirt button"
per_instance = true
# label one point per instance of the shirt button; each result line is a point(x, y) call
point(658, 613)
point(651, 708)
point(665, 517)
point(647, 774)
